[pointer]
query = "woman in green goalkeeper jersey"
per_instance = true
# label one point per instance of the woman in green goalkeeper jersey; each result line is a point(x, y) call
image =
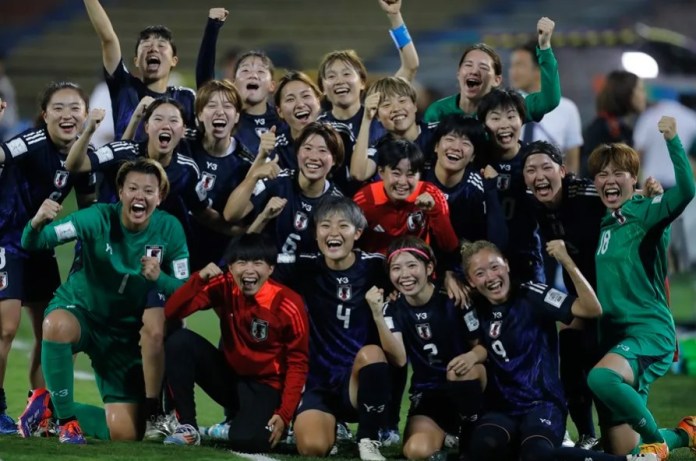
point(637, 329)
point(98, 310)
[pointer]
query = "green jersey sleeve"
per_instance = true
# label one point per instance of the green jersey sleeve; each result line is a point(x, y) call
point(175, 265)
point(665, 208)
point(542, 102)
point(82, 225)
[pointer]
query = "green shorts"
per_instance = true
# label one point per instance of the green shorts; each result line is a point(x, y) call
point(648, 361)
point(115, 356)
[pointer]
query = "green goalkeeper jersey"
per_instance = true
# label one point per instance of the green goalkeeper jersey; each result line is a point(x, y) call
point(106, 281)
point(632, 262)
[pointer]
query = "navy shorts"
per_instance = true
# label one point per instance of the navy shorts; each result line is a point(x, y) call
point(436, 405)
point(545, 420)
point(333, 399)
point(32, 279)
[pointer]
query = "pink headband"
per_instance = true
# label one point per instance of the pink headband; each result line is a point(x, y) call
point(410, 250)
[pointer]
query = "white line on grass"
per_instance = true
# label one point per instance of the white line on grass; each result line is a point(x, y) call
point(80, 375)
point(254, 457)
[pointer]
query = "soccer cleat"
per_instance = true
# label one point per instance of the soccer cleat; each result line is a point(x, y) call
point(567, 441)
point(36, 413)
point(343, 433)
point(47, 428)
point(71, 433)
point(587, 442)
point(688, 425)
point(389, 437)
point(7, 424)
point(643, 457)
point(159, 428)
point(219, 431)
point(451, 441)
point(185, 434)
point(659, 449)
point(369, 450)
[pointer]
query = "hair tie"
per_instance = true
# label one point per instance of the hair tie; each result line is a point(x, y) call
point(410, 250)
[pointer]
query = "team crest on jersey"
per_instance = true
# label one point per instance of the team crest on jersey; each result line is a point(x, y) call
point(344, 292)
point(301, 221)
point(207, 181)
point(620, 218)
point(423, 330)
point(494, 332)
point(259, 329)
point(260, 130)
point(60, 179)
point(3, 280)
point(503, 181)
point(415, 221)
point(154, 251)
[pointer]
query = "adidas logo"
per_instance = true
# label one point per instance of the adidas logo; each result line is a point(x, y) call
point(378, 228)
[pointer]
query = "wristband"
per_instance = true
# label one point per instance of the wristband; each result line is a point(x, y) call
point(400, 36)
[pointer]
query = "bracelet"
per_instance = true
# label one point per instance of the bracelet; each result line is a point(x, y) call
point(400, 36)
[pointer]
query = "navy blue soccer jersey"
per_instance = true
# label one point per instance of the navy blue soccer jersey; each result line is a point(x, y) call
point(433, 334)
point(354, 123)
point(475, 211)
point(250, 127)
point(219, 177)
point(524, 246)
point(425, 140)
point(34, 171)
point(340, 319)
point(522, 344)
point(126, 91)
point(576, 221)
point(292, 229)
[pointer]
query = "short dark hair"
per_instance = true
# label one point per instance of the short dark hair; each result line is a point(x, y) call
point(333, 140)
point(251, 247)
point(620, 154)
point(541, 147)
point(461, 125)
point(144, 166)
point(414, 246)
point(495, 57)
point(294, 76)
point(392, 150)
point(529, 47)
point(51, 89)
point(345, 206)
point(501, 98)
point(158, 31)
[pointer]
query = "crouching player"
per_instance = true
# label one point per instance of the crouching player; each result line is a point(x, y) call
point(98, 310)
point(348, 373)
point(259, 370)
point(424, 326)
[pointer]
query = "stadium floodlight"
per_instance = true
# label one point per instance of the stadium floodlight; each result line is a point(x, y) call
point(641, 64)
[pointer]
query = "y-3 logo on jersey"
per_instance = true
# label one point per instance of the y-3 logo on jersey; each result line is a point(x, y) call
point(212, 166)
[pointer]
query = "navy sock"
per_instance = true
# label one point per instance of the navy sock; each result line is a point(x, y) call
point(373, 395)
point(466, 396)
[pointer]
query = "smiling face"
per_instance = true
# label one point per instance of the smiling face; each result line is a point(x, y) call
point(505, 126)
point(336, 236)
point(219, 116)
point(544, 178)
point(614, 185)
point(400, 181)
point(397, 113)
point(489, 273)
point(299, 105)
point(342, 84)
point(454, 152)
point(250, 276)
point(155, 58)
point(477, 76)
point(409, 275)
point(139, 196)
point(164, 128)
point(65, 116)
point(314, 158)
point(254, 80)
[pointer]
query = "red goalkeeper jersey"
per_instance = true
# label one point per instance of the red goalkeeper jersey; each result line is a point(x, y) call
point(387, 220)
point(265, 336)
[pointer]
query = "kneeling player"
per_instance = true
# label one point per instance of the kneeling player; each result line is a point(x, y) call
point(348, 373)
point(261, 366)
point(98, 310)
point(424, 326)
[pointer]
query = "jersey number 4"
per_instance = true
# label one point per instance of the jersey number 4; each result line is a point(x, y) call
point(3, 260)
point(343, 314)
point(604, 242)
